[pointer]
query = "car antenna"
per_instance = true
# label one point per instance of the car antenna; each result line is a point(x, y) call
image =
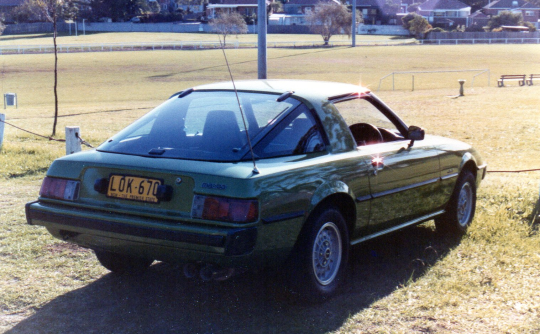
point(255, 169)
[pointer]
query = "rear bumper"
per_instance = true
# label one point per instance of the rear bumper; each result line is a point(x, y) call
point(161, 239)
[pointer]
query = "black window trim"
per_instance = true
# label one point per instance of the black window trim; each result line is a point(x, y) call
point(283, 122)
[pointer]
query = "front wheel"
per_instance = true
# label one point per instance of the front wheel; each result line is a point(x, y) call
point(319, 260)
point(123, 264)
point(461, 207)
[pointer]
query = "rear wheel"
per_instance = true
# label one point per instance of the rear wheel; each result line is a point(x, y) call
point(123, 264)
point(318, 263)
point(461, 207)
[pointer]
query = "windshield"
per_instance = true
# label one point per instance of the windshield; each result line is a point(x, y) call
point(200, 126)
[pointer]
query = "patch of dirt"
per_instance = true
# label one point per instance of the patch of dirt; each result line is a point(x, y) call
point(65, 247)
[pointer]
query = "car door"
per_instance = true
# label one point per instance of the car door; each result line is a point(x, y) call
point(404, 182)
point(404, 179)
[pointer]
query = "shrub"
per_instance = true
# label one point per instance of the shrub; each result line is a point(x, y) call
point(416, 24)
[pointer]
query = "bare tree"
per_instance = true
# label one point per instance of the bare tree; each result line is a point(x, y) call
point(50, 9)
point(329, 19)
point(228, 23)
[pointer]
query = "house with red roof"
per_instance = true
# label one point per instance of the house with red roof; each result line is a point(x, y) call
point(376, 12)
point(244, 7)
point(446, 14)
point(530, 12)
point(295, 11)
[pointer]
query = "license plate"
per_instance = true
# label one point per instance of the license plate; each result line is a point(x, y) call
point(133, 188)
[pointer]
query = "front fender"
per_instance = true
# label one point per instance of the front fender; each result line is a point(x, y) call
point(478, 166)
point(465, 159)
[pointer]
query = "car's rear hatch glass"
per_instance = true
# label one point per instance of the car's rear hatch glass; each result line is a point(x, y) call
point(204, 125)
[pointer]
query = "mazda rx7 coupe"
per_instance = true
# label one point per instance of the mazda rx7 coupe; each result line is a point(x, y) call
point(229, 176)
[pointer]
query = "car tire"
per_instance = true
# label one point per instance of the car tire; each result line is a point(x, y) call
point(123, 264)
point(461, 207)
point(319, 261)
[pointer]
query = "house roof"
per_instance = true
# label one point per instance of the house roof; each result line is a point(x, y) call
point(431, 5)
point(10, 3)
point(506, 4)
point(370, 3)
point(509, 4)
point(235, 2)
point(529, 5)
point(479, 15)
point(309, 2)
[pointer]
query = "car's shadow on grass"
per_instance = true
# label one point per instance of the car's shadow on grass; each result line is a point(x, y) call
point(164, 301)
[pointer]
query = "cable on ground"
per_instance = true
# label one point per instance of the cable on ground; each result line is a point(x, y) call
point(35, 134)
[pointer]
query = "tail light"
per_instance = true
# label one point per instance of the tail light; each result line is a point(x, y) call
point(225, 209)
point(62, 189)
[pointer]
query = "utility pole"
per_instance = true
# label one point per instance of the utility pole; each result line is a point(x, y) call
point(354, 23)
point(261, 29)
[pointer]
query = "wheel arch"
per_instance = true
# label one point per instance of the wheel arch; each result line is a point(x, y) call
point(336, 195)
point(468, 163)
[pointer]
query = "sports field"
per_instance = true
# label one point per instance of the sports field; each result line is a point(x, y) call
point(410, 282)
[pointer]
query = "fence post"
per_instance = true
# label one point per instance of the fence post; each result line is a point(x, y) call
point(73, 144)
point(2, 119)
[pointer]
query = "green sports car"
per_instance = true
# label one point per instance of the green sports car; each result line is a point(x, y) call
point(228, 176)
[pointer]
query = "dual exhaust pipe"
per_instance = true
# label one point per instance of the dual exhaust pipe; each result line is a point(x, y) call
point(207, 272)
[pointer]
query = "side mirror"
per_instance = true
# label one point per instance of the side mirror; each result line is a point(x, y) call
point(415, 133)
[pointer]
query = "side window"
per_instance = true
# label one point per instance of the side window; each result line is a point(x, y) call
point(298, 133)
point(368, 124)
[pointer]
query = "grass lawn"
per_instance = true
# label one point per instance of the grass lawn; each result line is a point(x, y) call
point(413, 281)
point(143, 37)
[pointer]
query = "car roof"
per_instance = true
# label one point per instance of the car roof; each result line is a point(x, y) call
point(303, 88)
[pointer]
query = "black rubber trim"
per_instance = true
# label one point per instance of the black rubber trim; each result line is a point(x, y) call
point(449, 176)
point(284, 216)
point(412, 186)
point(363, 198)
point(114, 227)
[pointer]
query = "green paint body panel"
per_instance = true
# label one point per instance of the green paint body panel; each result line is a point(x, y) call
point(414, 181)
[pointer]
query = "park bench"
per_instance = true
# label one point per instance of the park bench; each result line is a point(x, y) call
point(531, 77)
point(521, 78)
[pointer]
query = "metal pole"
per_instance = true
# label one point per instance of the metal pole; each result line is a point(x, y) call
point(2, 119)
point(261, 27)
point(354, 24)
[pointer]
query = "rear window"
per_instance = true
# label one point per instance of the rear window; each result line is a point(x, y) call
point(201, 126)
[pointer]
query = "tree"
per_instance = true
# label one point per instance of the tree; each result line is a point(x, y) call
point(50, 9)
point(505, 18)
point(413, 7)
point(416, 24)
point(154, 7)
point(228, 23)
point(118, 10)
point(28, 11)
point(329, 19)
point(276, 7)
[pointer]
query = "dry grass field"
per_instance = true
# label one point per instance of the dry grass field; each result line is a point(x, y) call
point(413, 281)
point(143, 37)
